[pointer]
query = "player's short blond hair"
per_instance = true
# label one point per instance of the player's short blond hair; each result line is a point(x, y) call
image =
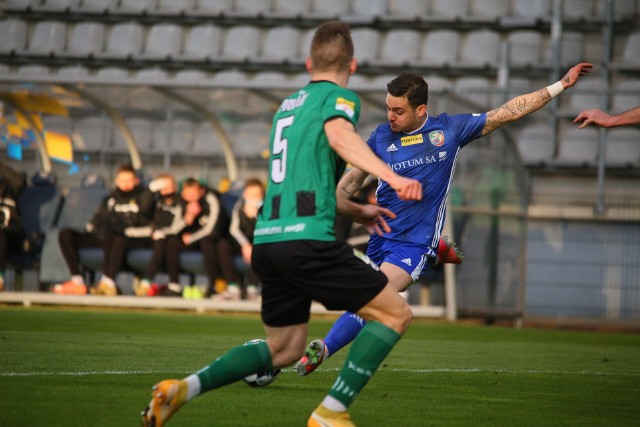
point(332, 47)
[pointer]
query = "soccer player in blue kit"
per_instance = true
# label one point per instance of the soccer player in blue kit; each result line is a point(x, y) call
point(416, 145)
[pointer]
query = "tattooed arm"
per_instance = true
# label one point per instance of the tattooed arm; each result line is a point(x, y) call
point(522, 105)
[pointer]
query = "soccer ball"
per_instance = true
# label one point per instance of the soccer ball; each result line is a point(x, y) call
point(262, 379)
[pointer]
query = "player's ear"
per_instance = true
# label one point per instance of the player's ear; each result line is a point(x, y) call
point(421, 110)
point(308, 64)
point(353, 66)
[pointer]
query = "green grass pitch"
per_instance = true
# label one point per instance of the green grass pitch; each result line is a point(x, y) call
point(95, 368)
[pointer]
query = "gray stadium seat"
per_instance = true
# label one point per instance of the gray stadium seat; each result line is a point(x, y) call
point(327, 9)
point(623, 147)
point(438, 84)
point(191, 76)
point(535, 144)
point(55, 5)
point(86, 39)
point(202, 43)
point(96, 6)
point(578, 9)
point(19, 5)
point(231, 77)
point(449, 9)
point(399, 47)
point(527, 13)
point(279, 44)
point(180, 134)
point(112, 73)
point(151, 74)
point(365, 42)
point(488, 10)
point(440, 48)
point(174, 7)
point(571, 50)
point(305, 44)
point(14, 36)
point(33, 70)
point(48, 38)
point(73, 72)
point(250, 8)
point(92, 134)
point(630, 59)
point(164, 42)
point(211, 7)
point(578, 147)
point(135, 7)
point(622, 9)
point(480, 49)
point(626, 96)
point(587, 93)
point(476, 89)
point(289, 9)
point(365, 11)
point(206, 141)
point(525, 47)
point(406, 10)
point(125, 41)
point(251, 138)
point(142, 130)
point(241, 43)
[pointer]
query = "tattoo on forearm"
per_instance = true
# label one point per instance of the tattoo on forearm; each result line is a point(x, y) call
point(515, 109)
point(346, 190)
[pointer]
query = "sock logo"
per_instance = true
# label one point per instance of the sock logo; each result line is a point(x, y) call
point(359, 370)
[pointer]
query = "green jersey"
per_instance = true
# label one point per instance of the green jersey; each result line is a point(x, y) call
point(300, 202)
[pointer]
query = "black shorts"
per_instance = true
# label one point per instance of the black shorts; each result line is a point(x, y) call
point(297, 272)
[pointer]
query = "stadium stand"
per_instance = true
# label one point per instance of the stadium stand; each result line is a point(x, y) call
point(124, 41)
point(49, 39)
point(578, 147)
point(86, 39)
point(535, 144)
point(202, 43)
point(623, 147)
point(14, 37)
point(164, 42)
point(440, 49)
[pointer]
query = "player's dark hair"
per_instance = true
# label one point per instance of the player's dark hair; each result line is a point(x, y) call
point(126, 168)
point(411, 86)
point(332, 47)
point(191, 182)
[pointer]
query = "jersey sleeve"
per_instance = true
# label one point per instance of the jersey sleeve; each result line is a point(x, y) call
point(468, 126)
point(341, 103)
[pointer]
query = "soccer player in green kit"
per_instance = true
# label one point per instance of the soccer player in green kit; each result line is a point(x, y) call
point(295, 252)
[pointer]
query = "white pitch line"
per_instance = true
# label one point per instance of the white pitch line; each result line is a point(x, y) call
point(415, 371)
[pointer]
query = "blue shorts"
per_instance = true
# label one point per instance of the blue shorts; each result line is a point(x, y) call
point(411, 257)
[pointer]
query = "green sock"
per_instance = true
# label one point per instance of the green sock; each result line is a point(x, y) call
point(234, 365)
point(368, 350)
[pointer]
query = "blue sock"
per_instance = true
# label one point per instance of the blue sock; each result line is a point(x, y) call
point(343, 332)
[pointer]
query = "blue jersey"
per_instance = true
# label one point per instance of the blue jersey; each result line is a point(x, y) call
point(428, 155)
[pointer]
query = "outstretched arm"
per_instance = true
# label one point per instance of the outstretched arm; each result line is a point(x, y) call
point(599, 118)
point(522, 105)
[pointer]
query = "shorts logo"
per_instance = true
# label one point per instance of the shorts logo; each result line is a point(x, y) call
point(436, 137)
point(411, 140)
point(407, 261)
point(346, 106)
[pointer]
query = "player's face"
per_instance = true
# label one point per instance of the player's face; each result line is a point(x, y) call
point(192, 193)
point(402, 117)
point(126, 181)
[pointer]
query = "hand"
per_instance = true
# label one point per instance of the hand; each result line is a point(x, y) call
point(593, 116)
point(406, 188)
point(246, 253)
point(574, 73)
point(185, 238)
point(193, 208)
point(371, 216)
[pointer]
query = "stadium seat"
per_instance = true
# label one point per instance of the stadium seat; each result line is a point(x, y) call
point(587, 93)
point(202, 43)
point(231, 77)
point(92, 134)
point(626, 96)
point(630, 59)
point(125, 41)
point(449, 10)
point(525, 47)
point(571, 50)
point(488, 10)
point(480, 49)
point(241, 43)
point(33, 70)
point(19, 5)
point(406, 11)
point(142, 130)
point(251, 138)
point(164, 42)
point(438, 84)
point(365, 11)
point(536, 144)
point(289, 9)
point(86, 39)
point(55, 5)
point(280, 44)
point(623, 147)
point(272, 79)
point(193, 77)
point(48, 38)
point(305, 45)
point(327, 9)
point(172, 137)
point(365, 44)
point(96, 6)
point(112, 73)
point(14, 36)
point(249, 8)
point(206, 142)
point(391, 55)
point(578, 147)
point(578, 10)
point(211, 7)
point(622, 9)
point(73, 72)
point(440, 48)
point(174, 7)
point(151, 74)
point(135, 7)
point(478, 90)
point(527, 13)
